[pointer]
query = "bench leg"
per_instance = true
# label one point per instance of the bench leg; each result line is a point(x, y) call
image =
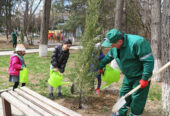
point(6, 107)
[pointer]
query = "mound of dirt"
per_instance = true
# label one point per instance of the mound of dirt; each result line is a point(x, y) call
point(97, 105)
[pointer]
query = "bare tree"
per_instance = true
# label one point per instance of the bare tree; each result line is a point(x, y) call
point(156, 34)
point(144, 12)
point(28, 15)
point(8, 12)
point(165, 56)
point(119, 14)
point(8, 17)
point(43, 49)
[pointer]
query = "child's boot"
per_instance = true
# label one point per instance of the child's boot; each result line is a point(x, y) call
point(60, 95)
point(51, 96)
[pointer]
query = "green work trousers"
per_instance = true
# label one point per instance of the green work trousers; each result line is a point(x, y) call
point(136, 102)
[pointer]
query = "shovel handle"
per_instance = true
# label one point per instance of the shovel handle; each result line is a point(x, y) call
point(161, 69)
point(138, 87)
point(132, 91)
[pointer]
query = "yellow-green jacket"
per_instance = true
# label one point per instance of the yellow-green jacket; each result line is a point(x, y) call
point(136, 59)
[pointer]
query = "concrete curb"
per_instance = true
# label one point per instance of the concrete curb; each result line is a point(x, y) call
point(4, 53)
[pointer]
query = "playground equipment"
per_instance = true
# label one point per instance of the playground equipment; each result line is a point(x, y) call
point(55, 35)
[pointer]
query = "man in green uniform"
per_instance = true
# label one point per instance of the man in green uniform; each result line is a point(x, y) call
point(134, 56)
point(14, 39)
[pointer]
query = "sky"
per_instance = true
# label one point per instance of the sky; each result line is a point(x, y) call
point(40, 6)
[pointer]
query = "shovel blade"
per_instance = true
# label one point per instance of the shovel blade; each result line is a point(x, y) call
point(121, 102)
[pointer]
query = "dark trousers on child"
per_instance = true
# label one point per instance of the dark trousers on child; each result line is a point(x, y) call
point(99, 81)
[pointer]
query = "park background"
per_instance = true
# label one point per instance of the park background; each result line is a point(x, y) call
point(33, 19)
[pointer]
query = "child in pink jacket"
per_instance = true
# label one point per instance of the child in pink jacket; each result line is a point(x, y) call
point(16, 64)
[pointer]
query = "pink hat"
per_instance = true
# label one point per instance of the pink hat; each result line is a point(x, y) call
point(20, 47)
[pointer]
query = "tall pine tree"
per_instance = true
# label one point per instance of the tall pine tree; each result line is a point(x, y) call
point(87, 60)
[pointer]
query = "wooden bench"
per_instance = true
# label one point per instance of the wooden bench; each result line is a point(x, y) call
point(32, 104)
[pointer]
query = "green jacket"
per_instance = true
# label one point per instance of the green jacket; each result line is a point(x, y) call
point(14, 37)
point(136, 59)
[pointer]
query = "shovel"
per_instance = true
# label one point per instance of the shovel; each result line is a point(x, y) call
point(122, 100)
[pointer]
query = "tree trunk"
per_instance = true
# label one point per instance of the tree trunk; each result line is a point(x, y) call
point(126, 15)
point(43, 49)
point(28, 14)
point(26, 21)
point(9, 15)
point(165, 57)
point(6, 20)
point(156, 35)
point(119, 14)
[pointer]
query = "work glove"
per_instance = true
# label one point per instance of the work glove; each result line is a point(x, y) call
point(143, 83)
point(101, 71)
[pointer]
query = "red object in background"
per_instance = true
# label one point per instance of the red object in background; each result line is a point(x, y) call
point(62, 37)
point(50, 35)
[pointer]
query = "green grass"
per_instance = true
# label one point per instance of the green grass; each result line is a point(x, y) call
point(155, 92)
point(38, 72)
point(7, 48)
point(4, 61)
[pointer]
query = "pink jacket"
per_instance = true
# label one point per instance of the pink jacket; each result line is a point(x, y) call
point(15, 65)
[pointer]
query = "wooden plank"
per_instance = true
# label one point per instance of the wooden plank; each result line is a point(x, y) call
point(50, 102)
point(29, 104)
point(41, 104)
point(18, 104)
point(5, 90)
point(6, 107)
